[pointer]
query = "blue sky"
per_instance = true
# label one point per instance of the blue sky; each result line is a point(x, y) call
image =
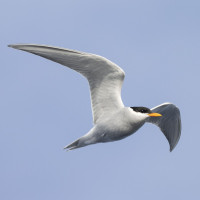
point(45, 106)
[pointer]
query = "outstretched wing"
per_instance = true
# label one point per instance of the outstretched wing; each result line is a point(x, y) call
point(169, 123)
point(105, 78)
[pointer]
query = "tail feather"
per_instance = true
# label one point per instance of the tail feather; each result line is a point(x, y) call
point(73, 145)
point(85, 140)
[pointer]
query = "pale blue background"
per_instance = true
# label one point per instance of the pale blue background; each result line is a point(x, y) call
point(44, 106)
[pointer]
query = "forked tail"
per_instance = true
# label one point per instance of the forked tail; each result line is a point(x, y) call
point(73, 145)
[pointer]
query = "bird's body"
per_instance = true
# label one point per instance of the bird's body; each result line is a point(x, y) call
point(114, 127)
point(112, 120)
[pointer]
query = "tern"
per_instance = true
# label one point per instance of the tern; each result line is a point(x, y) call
point(112, 120)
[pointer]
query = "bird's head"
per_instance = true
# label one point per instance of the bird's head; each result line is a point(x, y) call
point(145, 111)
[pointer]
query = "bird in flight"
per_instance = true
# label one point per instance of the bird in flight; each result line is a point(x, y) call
point(112, 120)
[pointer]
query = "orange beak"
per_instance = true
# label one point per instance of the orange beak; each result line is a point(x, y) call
point(154, 115)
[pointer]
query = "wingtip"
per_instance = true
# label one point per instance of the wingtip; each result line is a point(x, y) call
point(17, 46)
point(13, 46)
point(172, 148)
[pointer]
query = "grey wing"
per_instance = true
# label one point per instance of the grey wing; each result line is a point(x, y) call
point(105, 78)
point(169, 123)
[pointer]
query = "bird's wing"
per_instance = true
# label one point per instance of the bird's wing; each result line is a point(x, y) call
point(105, 78)
point(169, 123)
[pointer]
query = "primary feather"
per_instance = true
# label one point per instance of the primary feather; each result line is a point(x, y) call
point(105, 78)
point(169, 123)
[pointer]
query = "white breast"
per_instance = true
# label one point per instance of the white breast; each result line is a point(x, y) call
point(120, 124)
